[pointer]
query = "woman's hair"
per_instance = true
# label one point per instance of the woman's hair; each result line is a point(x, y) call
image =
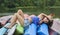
point(0, 25)
point(52, 14)
point(50, 22)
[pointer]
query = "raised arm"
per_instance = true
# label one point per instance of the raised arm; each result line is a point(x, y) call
point(41, 16)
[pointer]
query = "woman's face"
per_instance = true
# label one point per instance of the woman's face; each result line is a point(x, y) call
point(26, 15)
point(45, 20)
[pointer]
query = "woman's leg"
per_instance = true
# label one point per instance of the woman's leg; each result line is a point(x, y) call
point(20, 19)
point(43, 29)
point(12, 21)
point(20, 13)
point(14, 18)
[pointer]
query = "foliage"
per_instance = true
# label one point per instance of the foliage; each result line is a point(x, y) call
point(32, 6)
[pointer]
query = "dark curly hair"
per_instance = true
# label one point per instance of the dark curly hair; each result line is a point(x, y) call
point(50, 22)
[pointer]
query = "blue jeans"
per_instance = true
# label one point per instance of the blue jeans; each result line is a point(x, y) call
point(32, 28)
point(43, 29)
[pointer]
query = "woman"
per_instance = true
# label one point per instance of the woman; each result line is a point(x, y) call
point(20, 16)
point(45, 22)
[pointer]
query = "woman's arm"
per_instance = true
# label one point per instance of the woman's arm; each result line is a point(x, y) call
point(42, 15)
